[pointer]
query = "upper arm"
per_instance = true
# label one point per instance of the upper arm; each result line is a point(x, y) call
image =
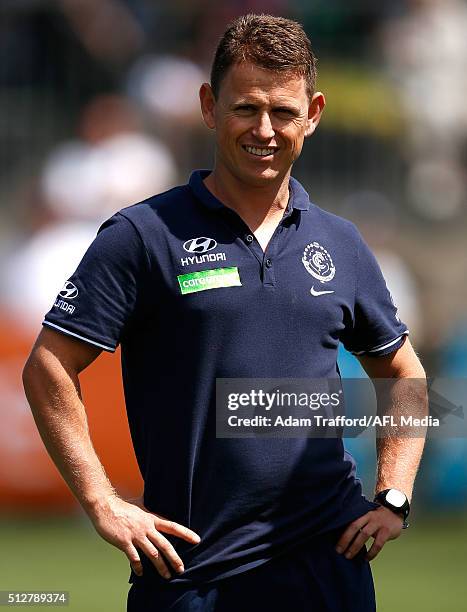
point(374, 328)
point(402, 363)
point(53, 349)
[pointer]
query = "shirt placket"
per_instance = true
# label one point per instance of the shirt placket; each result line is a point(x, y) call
point(268, 257)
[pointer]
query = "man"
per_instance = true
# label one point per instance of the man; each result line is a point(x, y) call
point(236, 274)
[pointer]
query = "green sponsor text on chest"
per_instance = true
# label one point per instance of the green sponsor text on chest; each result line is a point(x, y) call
point(209, 279)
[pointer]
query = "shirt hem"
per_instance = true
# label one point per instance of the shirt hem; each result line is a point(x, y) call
point(75, 335)
point(383, 347)
point(195, 580)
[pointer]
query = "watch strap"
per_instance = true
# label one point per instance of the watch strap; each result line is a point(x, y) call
point(403, 510)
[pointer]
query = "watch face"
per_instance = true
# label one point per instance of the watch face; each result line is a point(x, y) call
point(396, 498)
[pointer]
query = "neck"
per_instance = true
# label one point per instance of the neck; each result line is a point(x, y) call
point(254, 204)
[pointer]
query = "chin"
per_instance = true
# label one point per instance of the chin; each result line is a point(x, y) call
point(266, 176)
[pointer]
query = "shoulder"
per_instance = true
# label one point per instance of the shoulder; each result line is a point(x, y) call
point(150, 219)
point(338, 228)
point(337, 223)
point(159, 207)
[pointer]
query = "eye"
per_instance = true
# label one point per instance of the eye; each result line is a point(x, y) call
point(285, 112)
point(245, 108)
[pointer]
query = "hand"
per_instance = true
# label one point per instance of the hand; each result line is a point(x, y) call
point(381, 524)
point(128, 525)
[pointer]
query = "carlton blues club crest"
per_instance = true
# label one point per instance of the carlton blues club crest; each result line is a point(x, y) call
point(318, 262)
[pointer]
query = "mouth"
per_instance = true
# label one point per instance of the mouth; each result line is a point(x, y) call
point(263, 152)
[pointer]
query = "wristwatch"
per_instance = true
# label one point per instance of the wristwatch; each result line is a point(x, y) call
point(396, 501)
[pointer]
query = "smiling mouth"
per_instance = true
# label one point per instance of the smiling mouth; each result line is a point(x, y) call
point(260, 151)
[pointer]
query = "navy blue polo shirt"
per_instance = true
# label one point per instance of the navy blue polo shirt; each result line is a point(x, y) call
point(182, 284)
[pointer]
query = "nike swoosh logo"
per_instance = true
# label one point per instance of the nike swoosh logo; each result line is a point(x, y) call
point(316, 293)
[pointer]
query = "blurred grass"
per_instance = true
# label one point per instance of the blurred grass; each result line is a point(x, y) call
point(424, 571)
point(426, 568)
point(66, 555)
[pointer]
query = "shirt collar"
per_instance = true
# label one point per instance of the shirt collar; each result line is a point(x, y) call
point(299, 198)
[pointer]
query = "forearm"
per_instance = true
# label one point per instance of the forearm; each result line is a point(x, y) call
point(398, 456)
point(55, 399)
point(397, 463)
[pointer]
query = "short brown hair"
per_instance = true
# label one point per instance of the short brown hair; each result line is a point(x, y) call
point(270, 42)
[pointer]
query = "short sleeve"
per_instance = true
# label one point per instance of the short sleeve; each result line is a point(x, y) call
point(376, 327)
point(98, 301)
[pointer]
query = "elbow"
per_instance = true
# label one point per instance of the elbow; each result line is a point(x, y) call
point(414, 370)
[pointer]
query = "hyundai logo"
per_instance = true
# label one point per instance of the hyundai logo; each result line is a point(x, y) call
point(199, 245)
point(69, 291)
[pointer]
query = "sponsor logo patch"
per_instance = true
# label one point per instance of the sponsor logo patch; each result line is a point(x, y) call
point(208, 279)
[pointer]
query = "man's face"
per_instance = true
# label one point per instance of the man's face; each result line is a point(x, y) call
point(261, 119)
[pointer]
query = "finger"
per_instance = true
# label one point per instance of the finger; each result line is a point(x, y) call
point(133, 558)
point(377, 545)
point(362, 536)
point(177, 530)
point(351, 532)
point(155, 557)
point(164, 546)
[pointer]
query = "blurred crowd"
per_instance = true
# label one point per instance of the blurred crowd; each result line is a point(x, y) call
point(99, 109)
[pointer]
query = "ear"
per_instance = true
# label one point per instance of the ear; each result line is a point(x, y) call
point(208, 103)
point(315, 110)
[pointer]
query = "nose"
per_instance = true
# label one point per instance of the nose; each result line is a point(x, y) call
point(263, 129)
